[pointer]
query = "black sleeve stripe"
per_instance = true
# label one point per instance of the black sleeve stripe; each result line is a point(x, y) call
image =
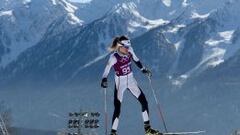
point(139, 64)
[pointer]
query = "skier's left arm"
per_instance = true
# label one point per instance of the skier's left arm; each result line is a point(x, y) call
point(139, 64)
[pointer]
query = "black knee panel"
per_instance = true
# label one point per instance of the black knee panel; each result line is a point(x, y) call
point(117, 106)
point(143, 101)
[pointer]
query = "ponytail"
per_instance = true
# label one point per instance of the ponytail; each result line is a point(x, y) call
point(115, 42)
point(113, 47)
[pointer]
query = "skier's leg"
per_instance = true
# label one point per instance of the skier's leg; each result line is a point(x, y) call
point(145, 113)
point(137, 92)
point(118, 95)
point(143, 101)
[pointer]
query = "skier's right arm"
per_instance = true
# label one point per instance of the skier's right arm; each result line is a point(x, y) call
point(112, 60)
point(139, 64)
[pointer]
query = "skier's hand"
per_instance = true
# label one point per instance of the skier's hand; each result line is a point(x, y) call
point(104, 83)
point(147, 72)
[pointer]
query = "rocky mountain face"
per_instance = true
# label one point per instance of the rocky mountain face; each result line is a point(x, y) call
point(24, 23)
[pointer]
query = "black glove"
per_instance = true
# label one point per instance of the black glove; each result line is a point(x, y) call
point(147, 72)
point(104, 83)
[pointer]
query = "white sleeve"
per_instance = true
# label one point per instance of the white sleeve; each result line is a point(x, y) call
point(112, 60)
point(135, 58)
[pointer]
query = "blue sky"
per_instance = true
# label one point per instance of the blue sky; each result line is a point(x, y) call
point(82, 1)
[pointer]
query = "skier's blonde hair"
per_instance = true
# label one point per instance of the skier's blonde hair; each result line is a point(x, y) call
point(115, 42)
point(114, 45)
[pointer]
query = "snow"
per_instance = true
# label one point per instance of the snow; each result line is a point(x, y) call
point(184, 3)
point(216, 62)
point(68, 7)
point(214, 53)
point(71, 9)
point(6, 13)
point(176, 83)
point(54, 2)
point(176, 28)
point(136, 21)
point(177, 45)
point(197, 15)
point(180, 80)
point(225, 36)
point(167, 2)
point(212, 42)
point(95, 60)
point(172, 12)
point(23, 29)
point(216, 57)
point(26, 1)
point(81, 1)
point(74, 19)
point(184, 76)
point(87, 65)
point(130, 5)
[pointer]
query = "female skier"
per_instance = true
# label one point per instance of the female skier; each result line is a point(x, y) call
point(120, 59)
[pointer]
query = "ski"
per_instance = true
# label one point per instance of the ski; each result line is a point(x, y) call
point(184, 133)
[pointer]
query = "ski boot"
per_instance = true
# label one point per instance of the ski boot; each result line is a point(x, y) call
point(151, 131)
point(113, 133)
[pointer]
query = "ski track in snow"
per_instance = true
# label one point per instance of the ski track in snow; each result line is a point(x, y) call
point(87, 65)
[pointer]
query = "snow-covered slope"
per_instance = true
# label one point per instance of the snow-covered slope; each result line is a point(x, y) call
point(204, 41)
point(126, 16)
point(201, 34)
point(62, 56)
point(24, 22)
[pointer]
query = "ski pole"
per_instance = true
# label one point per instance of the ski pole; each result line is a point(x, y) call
point(158, 104)
point(105, 111)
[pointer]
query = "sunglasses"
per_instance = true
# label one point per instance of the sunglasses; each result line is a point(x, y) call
point(127, 47)
point(125, 43)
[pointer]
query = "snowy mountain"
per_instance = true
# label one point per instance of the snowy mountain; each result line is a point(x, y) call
point(24, 22)
point(204, 42)
point(193, 20)
point(199, 40)
point(82, 45)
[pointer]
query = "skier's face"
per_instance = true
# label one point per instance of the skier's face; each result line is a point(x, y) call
point(123, 50)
